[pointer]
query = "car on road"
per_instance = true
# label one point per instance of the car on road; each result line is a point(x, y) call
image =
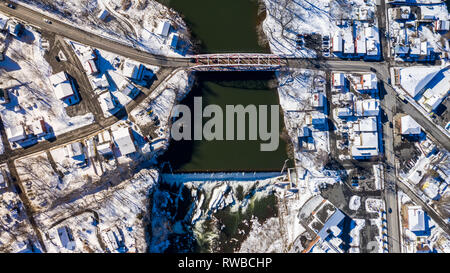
point(47, 21)
point(9, 5)
point(390, 210)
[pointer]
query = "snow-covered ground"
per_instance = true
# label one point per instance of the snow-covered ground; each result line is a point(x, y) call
point(131, 22)
point(25, 73)
point(295, 90)
point(162, 101)
point(110, 220)
point(17, 234)
point(134, 22)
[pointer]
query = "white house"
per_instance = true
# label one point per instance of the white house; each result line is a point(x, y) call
point(409, 126)
point(337, 43)
point(107, 102)
point(133, 70)
point(63, 88)
point(124, 141)
point(66, 238)
point(163, 29)
point(416, 219)
point(366, 108)
point(16, 133)
point(338, 79)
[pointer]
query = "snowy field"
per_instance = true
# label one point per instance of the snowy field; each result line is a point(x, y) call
point(134, 22)
point(17, 234)
point(110, 220)
point(162, 101)
point(26, 74)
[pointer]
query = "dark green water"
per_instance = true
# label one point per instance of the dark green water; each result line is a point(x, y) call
point(226, 26)
point(221, 25)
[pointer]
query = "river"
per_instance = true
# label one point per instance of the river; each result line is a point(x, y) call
point(226, 26)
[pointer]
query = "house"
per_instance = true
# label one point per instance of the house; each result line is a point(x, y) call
point(124, 141)
point(337, 43)
point(101, 83)
point(436, 90)
point(344, 112)
point(4, 96)
point(360, 44)
point(408, 126)
point(64, 88)
point(66, 238)
point(442, 25)
point(3, 22)
point(417, 220)
point(15, 28)
point(163, 29)
point(317, 100)
point(123, 84)
point(103, 14)
point(368, 124)
point(39, 128)
point(364, 145)
point(401, 50)
point(338, 79)
point(76, 152)
point(104, 149)
point(174, 42)
point(367, 82)
point(3, 181)
point(133, 70)
point(15, 134)
point(107, 102)
point(90, 66)
point(369, 107)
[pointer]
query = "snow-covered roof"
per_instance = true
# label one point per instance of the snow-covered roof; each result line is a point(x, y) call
point(368, 124)
point(124, 141)
point(15, 133)
point(414, 79)
point(3, 21)
point(416, 218)
point(369, 81)
point(107, 101)
point(344, 112)
point(65, 239)
point(163, 28)
point(337, 43)
point(63, 90)
point(334, 220)
point(369, 107)
point(75, 149)
point(409, 126)
point(104, 148)
point(365, 145)
point(338, 79)
point(58, 78)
